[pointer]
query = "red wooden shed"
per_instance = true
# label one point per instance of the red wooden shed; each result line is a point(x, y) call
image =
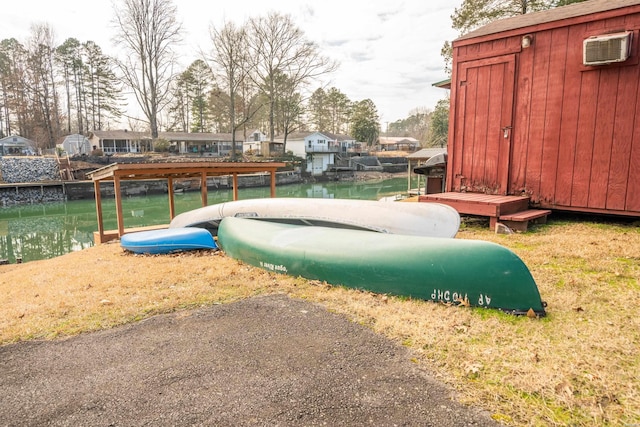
point(545, 106)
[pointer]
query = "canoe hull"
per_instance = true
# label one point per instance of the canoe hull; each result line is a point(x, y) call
point(168, 240)
point(449, 270)
point(424, 219)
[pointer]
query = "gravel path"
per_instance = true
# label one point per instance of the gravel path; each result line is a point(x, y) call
point(265, 361)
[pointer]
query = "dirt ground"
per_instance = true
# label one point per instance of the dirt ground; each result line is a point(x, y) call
point(269, 360)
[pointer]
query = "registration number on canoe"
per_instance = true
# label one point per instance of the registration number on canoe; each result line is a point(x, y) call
point(273, 267)
point(448, 296)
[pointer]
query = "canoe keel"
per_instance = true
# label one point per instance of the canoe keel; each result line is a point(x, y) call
point(456, 271)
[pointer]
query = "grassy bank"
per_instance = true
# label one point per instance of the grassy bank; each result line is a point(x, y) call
point(578, 366)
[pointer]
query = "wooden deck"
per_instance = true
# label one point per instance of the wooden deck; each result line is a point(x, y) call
point(512, 211)
point(170, 171)
point(109, 235)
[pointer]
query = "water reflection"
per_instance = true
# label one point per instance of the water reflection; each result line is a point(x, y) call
point(49, 230)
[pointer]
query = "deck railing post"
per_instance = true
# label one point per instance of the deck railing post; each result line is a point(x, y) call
point(119, 217)
point(96, 189)
point(172, 207)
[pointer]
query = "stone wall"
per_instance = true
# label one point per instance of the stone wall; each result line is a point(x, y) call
point(29, 195)
point(28, 169)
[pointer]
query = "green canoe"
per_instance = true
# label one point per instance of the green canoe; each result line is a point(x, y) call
point(448, 270)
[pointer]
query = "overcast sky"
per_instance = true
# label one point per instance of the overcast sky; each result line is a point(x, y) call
point(388, 51)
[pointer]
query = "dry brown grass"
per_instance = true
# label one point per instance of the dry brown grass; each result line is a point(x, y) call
point(578, 366)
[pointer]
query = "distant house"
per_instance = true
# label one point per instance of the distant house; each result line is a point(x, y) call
point(76, 144)
point(295, 142)
point(205, 144)
point(545, 105)
point(253, 143)
point(120, 141)
point(389, 143)
point(322, 150)
point(123, 141)
point(15, 145)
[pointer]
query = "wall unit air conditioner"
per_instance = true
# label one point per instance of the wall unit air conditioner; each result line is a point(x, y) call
point(606, 49)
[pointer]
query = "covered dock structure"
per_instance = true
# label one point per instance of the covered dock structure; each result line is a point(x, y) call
point(170, 171)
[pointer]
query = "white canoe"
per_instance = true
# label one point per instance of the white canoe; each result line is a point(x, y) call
point(419, 219)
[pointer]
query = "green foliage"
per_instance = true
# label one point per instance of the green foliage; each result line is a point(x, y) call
point(476, 13)
point(318, 112)
point(473, 14)
point(199, 83)
point(365, 125)
point(447, 54)
point(416, 125)
point(339, 107)
point(161, 145)
point(329, 111)
point(439, 124)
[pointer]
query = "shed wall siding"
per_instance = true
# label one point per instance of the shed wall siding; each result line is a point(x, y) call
point(575, 139)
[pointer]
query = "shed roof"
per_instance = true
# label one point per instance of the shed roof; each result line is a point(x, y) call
point(169, 171)
point(170, 136)
point(426, 153)
point(339, 137)
point(388, 140)
point(132, 171)
point(16, 141)
point(75, 138)
point(547, 16)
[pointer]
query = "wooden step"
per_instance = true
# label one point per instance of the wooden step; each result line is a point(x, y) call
point(519, 221)
point(527, 215)
point(512, 211)
point(479, 204)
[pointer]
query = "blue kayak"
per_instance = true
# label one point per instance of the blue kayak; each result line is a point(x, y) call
point(168, 240)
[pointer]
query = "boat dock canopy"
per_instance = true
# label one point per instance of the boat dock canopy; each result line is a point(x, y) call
point(170, 171)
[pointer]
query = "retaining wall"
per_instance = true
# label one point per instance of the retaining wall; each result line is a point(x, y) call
point(28, 169)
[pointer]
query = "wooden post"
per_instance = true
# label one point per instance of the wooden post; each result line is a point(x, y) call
point(119, 217)
point(96, 190)
point(273, 183)
point(409, 177)
point(203, 188)
point(235, 186)
point(172, 206)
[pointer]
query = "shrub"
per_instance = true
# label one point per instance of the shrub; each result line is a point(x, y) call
point(161, 145)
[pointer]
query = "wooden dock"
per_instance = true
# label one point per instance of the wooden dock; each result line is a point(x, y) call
point(512, 211)
point(170, 171)
point(109, 235)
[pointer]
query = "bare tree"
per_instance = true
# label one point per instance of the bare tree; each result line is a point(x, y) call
point(276, 47)
point(68, 55)
point(288, 107)
point(13, 87)
point(148, 31)
point(180, 111)
point(42, 85)
point(229, 63)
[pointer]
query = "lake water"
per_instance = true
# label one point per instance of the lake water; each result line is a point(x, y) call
point(44, 231)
